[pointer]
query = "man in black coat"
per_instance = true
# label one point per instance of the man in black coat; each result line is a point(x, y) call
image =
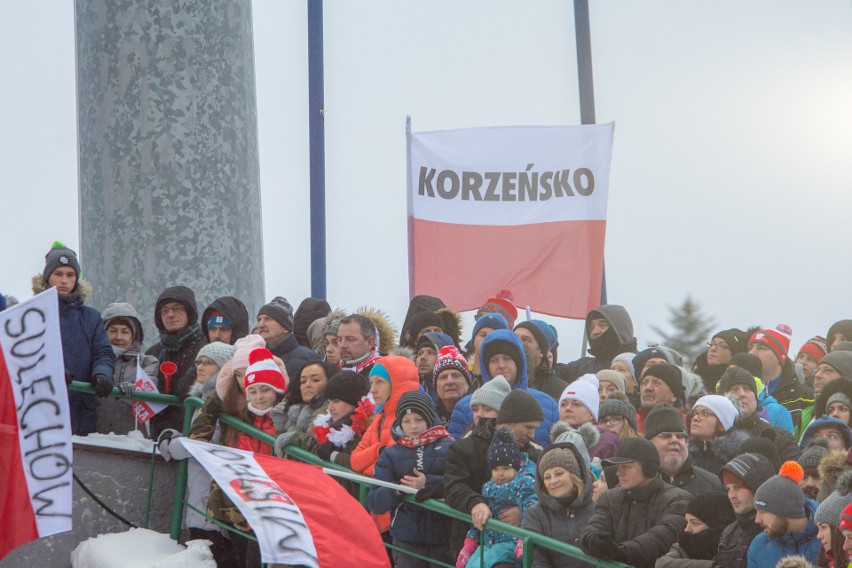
point(225, 320)
point(275, 326)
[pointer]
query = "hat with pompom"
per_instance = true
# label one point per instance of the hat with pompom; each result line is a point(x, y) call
point(778, 340)
point(60, 255)
point(262, 370)
point(781, 494)
point(503, 449)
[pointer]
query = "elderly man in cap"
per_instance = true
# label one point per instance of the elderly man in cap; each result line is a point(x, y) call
point(638, 521)
point(787, 518)
point(275, 326)
point(665, 428)
point(659, 383)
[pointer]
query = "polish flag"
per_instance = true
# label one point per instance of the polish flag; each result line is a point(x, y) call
point(300, 515)
point(515, 208)
point(35, 428)
point(143, 410)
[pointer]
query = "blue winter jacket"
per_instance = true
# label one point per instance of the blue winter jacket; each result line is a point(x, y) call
point(776, 414)
point(409, 523)
point(765, 552)
point(462, 417)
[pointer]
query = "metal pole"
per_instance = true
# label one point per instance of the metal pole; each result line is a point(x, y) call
point(584, 61)
point(316, 120)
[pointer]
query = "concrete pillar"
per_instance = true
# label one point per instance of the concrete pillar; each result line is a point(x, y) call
point(168, 157)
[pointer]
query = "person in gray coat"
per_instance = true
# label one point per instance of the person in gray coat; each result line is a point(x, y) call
point(563, 483)
point(125, 334)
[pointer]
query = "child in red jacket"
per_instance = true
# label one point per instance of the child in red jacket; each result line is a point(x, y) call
point(264, 387)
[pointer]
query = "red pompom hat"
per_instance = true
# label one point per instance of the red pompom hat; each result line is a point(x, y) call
point(262, 370)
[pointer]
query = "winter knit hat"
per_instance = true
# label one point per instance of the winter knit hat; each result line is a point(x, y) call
point(243, 347)
point(450, 358)
point(752, 470)
point(220, 352)
point(842, 327)
point(627, 359)
point(544, 336)
point(586, 394)
point(262, 370)
point(379, 370)
point(663, 418)
point(781, 494)
point(749, 362)
point(613, 377)
point(778, 340)
point(502, 306)
point(491, 321)
point(816, 347)
point(846, 519)
point(736, 376)
point(519, 406)
point(347, 386)
point(503, 449)
point(766, 448)
point(217, 319)
point(492, 393)
point(498, 347)
point(418, 403)
point(559, 457)
point(280, 310)
point(838, 397)
point(612, 407)
point(736, 339)
point(713, 509)
point(670, 375)
point(646, 355)
point(841, 361)
point(721, 406)
point(582, 438)
point(830, 509)
point(60, 255)
point(813, 454)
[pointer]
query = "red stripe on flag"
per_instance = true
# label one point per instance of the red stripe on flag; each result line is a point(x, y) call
point(17, 519)
point(555, 268)
point(343, 532)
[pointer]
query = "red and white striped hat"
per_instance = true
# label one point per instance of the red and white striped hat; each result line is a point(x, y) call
point(262, 370)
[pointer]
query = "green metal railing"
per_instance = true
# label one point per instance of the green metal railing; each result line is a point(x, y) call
point(531, 539)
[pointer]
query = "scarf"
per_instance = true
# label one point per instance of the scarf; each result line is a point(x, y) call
point(344, 430)
point(428, 437)
point(361, 363)
point(173, 342)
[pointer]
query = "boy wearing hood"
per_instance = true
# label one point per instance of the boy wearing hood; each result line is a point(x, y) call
point(610, 332)
point(225, 320)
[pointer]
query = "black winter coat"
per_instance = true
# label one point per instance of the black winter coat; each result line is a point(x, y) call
point(735, 540)
point(545, 381)
point(616, 340)
point(294, 356)
point(783, 440)
point(695, 480)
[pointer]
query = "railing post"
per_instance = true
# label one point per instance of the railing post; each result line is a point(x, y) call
point(180, 484)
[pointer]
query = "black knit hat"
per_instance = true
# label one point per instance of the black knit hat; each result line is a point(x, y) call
point(713, 509)
point(503, 449)
point(663, 418)
point(280, 310)
point(347, 386)
point(748, 362)
point(752, 469)
point(519, 406)
point(635, 449)
point(418, 403)
point(646, 355)
point(736, 339)
point(501, 347)
point(765, 447)
point(669, 374)
point(736, 376)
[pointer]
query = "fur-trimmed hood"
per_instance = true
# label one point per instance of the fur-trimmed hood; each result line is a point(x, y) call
point(128, 312)
point(724, 447)
point(384, 327)
point(830, 467)
point(203, 390)
point(83, 286)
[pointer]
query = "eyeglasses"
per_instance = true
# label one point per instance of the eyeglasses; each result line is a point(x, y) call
point(681, 436)
point(703, 414)
point(205, 362)
point(718, 345)
point(178, 309)
point(612, 420)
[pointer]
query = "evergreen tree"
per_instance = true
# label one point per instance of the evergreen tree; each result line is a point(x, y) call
point(691, 330)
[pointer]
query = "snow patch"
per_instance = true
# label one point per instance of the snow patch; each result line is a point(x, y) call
point(141, 548)
point(133, 441)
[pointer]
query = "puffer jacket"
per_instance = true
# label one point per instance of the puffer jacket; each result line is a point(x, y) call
point(115, 414)
point(616, 340)
point(462, 417)
point(554, 518)
point(765, 551)
point(735, 541)
point(404, 378)
point(409, 523)
point(776, 414)
point(645, 521)
point(231, 308)
point(713, 454)
point(85, 349)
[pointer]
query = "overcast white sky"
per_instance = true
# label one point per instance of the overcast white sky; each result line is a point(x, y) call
point(731, 169)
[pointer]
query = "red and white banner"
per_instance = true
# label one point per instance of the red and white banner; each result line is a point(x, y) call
point(35, 425)
point(144, 410)
point(521, 209)
point(300, 515)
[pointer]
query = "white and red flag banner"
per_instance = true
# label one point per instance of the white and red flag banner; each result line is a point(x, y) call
point(142, 409)
point(299, 514)
point(35, 425)
point(521, 209)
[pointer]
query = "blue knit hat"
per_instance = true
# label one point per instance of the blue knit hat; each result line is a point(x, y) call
point(503, 449)
point(490, 320)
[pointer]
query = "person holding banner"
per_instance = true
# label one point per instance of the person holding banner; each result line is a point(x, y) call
point(125, 333)
point(86, 350)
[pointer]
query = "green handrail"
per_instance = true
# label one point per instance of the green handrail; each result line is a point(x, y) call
point(190, 404)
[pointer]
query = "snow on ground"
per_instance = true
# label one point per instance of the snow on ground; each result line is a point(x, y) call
point(132, 441)
point(141, 548)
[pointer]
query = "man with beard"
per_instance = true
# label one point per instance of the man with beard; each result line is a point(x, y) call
point(787, 518)
point(426, 354)
point(809, 460)
point(706, 516)
point(665, 429)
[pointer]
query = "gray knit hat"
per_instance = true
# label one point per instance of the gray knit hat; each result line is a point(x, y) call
point(838, 397)
point(752, 469)
point(781, 494)
point(492, 393)
point(663, 418)
point(627, 359)
point(813, 454)
point(280, 310)
point(829, 510)
point(60, 255)
point(519, 406)
point(220, 352)
point(559, 457)
point(841, 361)
point(736, 376)
point(614, 406)
point(613, 377)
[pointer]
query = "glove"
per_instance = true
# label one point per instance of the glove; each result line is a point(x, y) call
point(279, 416)
point(126, 389)
point(604, 547)
point(165, 447)
point(429, 492)
point(102, 385)
point(469, 548)
point(281, 441)
point(69, 377)
point(324, 452)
